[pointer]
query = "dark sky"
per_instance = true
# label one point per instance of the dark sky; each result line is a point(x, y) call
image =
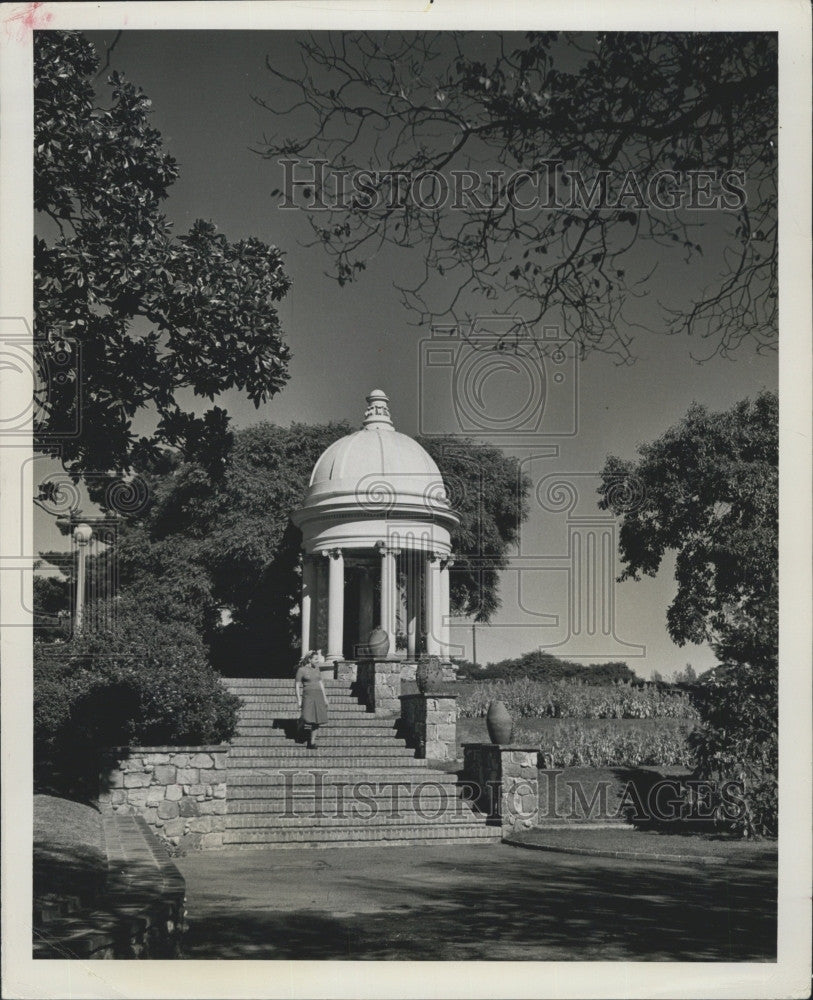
point(347, 341)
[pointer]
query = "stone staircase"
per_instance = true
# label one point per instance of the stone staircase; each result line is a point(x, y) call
point(362, 786)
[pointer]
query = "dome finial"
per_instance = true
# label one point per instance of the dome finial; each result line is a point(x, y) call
point(377, 413)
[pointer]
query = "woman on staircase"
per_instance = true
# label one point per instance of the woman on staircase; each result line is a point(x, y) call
point(311, 697)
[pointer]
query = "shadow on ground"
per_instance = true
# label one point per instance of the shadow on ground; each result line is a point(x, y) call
point(486, 903)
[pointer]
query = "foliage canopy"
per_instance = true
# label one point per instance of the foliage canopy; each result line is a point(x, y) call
point(547, 112)
point(139, 314)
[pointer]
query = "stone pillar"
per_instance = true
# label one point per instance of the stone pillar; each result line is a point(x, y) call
point(389, 590)
point(335, 605)
point(319, 609)
point(82, 534)
point(379, 684)
point(365, 604)
point(308, 608)
point(433, 604)
point(413, 602)
point(429, 725)
point(504, 783)
point(445, 637)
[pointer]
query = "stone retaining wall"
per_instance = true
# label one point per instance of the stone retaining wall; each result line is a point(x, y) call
point(180, 791)
point(429, 724)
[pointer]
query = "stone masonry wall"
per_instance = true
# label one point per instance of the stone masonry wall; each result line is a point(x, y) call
point(429, 724)
point(378, 683)
point(505, 783)
point(180, 791)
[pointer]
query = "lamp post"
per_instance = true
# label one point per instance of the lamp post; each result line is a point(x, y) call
point(82, 535)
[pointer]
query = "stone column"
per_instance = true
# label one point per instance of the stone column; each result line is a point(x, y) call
point(445, 637)
point(82, 534)
point(308, 603)
point(335, 605)
point(429, 725)
point(365, 604)
point(413, 602)
point(319, 609)
point(433, 604)
point(389, 586)
point(504, 782)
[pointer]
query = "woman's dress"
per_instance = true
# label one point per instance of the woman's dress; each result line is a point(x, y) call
point(314, 706)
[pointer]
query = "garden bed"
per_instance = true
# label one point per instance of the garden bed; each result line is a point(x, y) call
point(595, 742)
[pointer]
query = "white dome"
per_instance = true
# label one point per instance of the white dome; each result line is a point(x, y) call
point(377, 470)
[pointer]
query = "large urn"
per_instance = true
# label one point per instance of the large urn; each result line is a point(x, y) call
point(378, 644)
point(499, 723)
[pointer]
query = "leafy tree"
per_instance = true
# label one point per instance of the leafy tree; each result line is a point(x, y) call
point(200, 547)
point(542, 666)
point(616, 108)
point(708, 490)
point(150, 314)
point(686, 676)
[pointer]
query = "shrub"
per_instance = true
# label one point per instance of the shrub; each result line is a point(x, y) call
point(541, 666)
point(142, 681)
point(737, 739)
point(526, 698)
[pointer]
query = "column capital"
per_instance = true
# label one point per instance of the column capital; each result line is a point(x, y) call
point(447, 563)
point(82, 534)
point(386, 550)
point(433, 556)
point(334, 553)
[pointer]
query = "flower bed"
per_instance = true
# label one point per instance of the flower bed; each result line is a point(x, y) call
point(526, 698)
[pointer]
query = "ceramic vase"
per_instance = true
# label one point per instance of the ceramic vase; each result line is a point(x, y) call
point(499, 723)
point(378, 644)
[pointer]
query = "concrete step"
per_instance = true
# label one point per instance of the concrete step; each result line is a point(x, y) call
point(355, 815)
point(353, 748)
point(364, 741)
point(281, 714)
point(362, 725)
point(288, 691)
point(342, 702)
point(263, 758)
point(366, 835)
point(327, 678)
point(293, 712)
point(240, 778)
point(279, 682)
point(278, 800)
point(290, 705)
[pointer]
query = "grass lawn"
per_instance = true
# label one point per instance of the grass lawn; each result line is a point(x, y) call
point(629, 841)
point(70, 861)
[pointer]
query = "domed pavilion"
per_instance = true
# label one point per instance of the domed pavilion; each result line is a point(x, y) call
point(376, 544)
